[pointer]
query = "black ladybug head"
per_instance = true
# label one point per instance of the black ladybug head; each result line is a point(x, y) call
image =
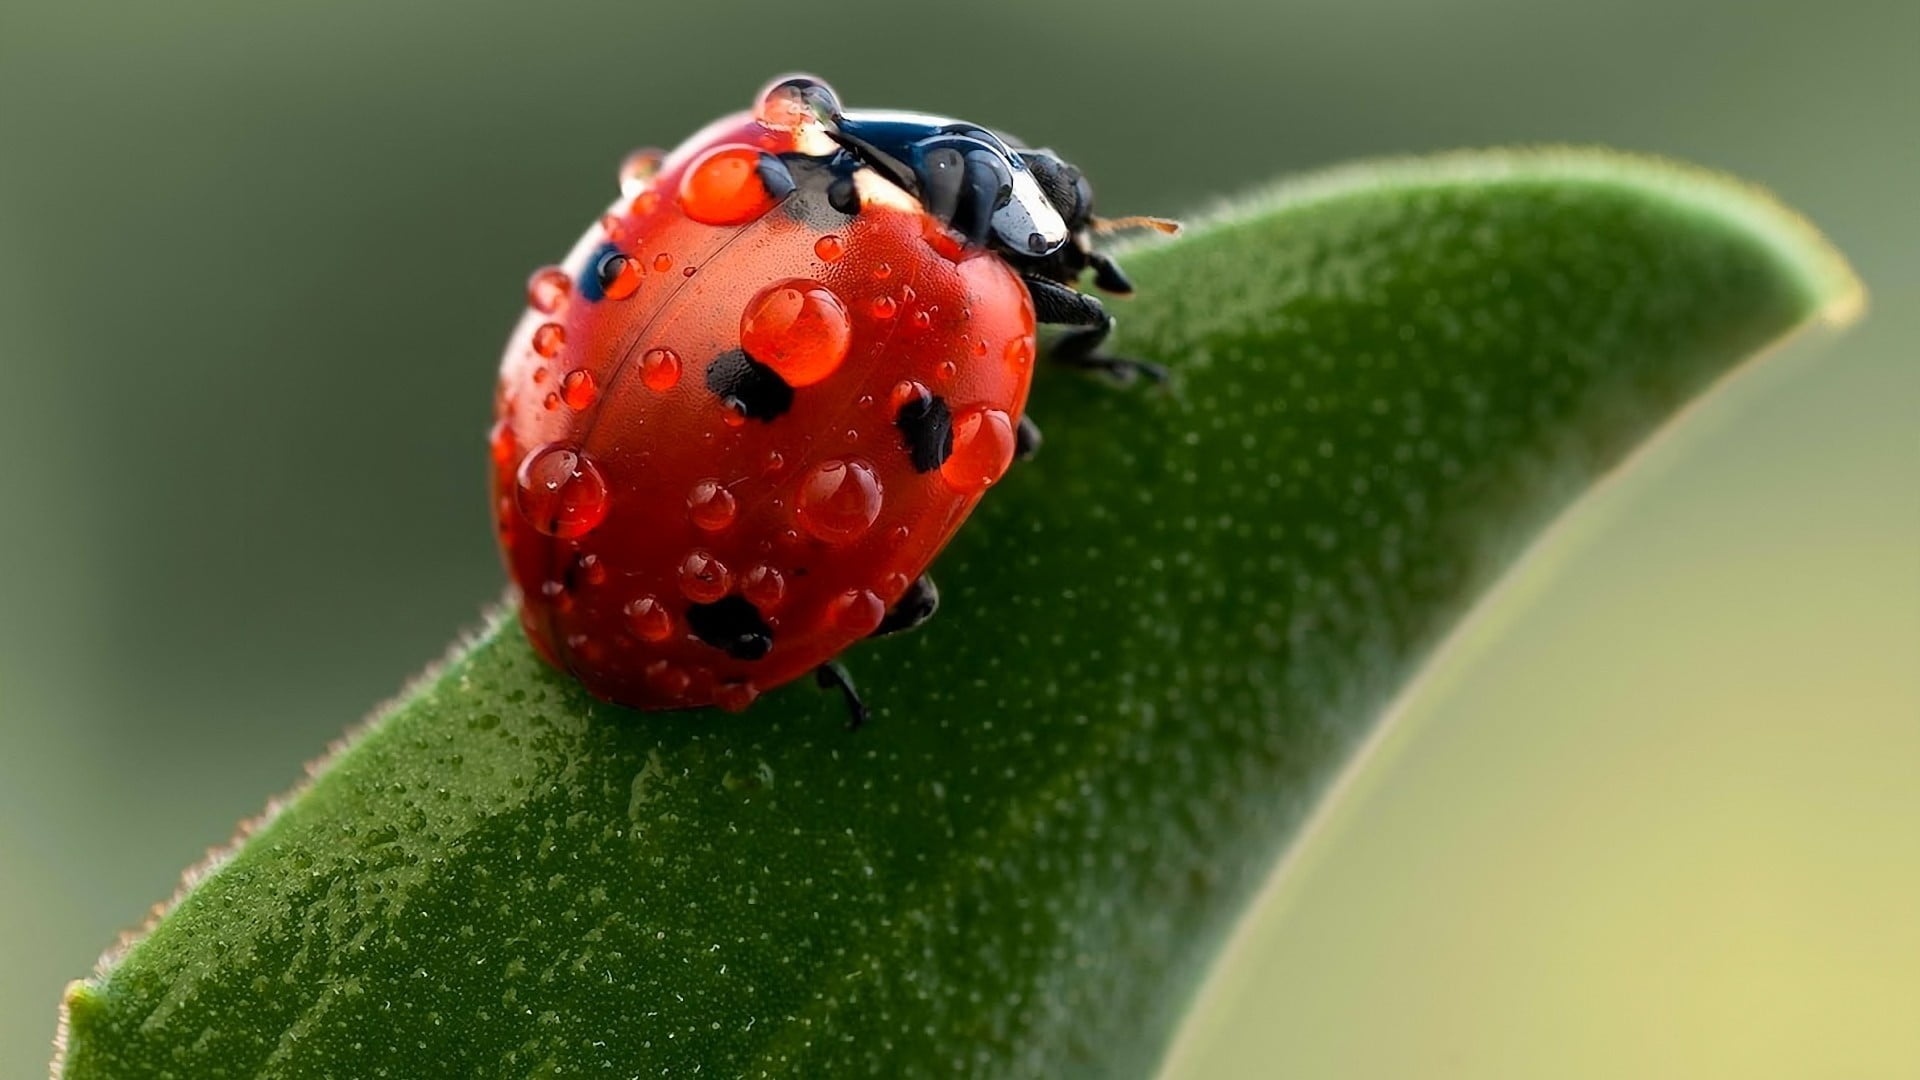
point(1065, 186)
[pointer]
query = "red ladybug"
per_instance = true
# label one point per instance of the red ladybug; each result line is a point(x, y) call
point(763, 391)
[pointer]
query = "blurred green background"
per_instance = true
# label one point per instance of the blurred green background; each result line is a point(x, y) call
point(1659, 813)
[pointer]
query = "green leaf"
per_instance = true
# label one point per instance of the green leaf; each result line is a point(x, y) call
point(1159, 642)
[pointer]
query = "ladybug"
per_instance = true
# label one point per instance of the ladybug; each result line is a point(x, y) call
point(741, 418)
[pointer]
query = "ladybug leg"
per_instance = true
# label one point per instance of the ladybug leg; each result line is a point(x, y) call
point(1064, 306)
point(833, 676)
point(914, 607)
point(1108, 275)
point(1026, 439)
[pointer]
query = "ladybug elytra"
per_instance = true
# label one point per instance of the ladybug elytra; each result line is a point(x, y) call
point(740, 419)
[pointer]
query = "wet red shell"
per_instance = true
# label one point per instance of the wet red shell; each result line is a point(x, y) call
point(626, 490)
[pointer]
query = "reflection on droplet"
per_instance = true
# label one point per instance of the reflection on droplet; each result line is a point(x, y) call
point(982, 449)
point(857, 611)
point(660, 369)
point(560, 492)
point(798, 328)
point(618, 275)
point(577, 389)
point(638, 170)
point(723, 187)
point(649, 619)
point(547, 289)
point(838, 500)
point(764, 587)
point(711, 505)
point(704, 578)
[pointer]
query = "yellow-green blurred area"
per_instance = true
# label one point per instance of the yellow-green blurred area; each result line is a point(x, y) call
point(1655, 813)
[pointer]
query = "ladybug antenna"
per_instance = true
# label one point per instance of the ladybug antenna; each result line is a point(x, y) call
point(1135, 221)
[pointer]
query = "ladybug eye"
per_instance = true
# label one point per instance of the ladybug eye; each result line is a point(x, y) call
point(795, 102)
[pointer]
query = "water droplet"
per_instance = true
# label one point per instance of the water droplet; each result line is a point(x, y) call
point(547, 289)
point(921, 320)
point(979, 348)
point(1019, 352)
point(857, 611)
point(907, 390)
point(735, 696)
point(883, 307)
point(830, 248)
point(577, 388)
point(711, 505)
point(784, 105)
point(982, 450)
point(613, 227)
point(660, 369)
point(548, 339)
point(560, 492)
point(588, 569)
point(899, 534)
point(775, 462)
point(619, 276)
point(704, 578)
point(723, 187)
point(838, 500)
point(882, 271)
point(649, 619)
point(893, 586)
point(540, 375)
point(947, 370)
point(798, 328)
point(690, 271)
point(764, 587)
point(662, 263)
point(644, 203)
point(556, 595)
point(668, 679)
point(865, 401)
point(551, 401)
point(638, 170)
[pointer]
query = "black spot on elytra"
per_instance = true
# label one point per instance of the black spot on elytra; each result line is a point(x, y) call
point(733, 626)
point(587, 280)
point(926, 426)
point(748, 385)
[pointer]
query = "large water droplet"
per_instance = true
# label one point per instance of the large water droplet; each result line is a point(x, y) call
point(982, 449)
point(711, 505)
point(788, 103)
point(548, 339)
point(1019, 353)
point(798, 328)
point(649, 619)
point(560, 492)
point(838, 500)
point(577, 389)
point(830, 248)
point(660, 369)
point(704, 578)
point(724, 187)
point(547, 289)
